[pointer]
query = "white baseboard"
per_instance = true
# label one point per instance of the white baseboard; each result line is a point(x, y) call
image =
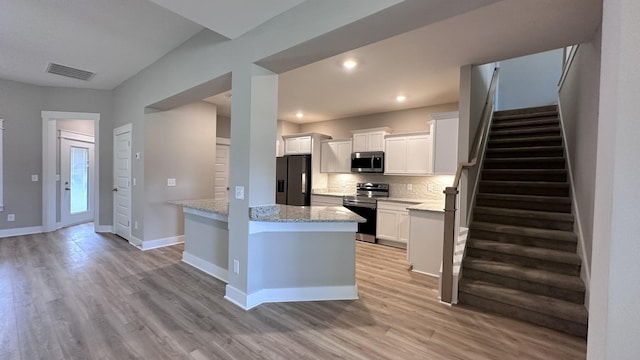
point(158, 243)
point(104, 229)
point(320, 293)
point(237, 297)
point(135, 241)
point(425, 273)
point(203, 265)
point(20, 231)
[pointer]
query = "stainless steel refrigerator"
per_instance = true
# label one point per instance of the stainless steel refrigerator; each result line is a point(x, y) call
point(293, 180)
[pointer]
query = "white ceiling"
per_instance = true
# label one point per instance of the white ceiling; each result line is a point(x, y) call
point(230, 18)
point(113, 38)
point(118, 38)
point(424, 64)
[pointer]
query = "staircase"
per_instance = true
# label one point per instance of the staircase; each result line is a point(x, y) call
point(521, 257)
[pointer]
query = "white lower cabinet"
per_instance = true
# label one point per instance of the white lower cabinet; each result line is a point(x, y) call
point(326, 200)
point(392, 225)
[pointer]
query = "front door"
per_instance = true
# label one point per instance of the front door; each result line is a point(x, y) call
point(122, 181)
point(76, 179)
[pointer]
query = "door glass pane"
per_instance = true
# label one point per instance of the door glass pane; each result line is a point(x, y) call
point(79, 180)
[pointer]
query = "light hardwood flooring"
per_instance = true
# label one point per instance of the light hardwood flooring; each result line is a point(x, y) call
point(74, 294)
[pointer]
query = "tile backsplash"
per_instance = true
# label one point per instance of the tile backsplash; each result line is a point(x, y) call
point(422, 187)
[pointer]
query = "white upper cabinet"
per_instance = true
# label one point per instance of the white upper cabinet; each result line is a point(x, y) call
point(297, 145)
point(429, 153)
point(335, 156)
point(445, 143)
point(408, 154)
point(370, 139)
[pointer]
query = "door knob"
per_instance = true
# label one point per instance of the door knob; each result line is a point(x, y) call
point(114, 189)
point(67, 188)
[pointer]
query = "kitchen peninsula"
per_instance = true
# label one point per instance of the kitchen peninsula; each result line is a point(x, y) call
point(303, 253)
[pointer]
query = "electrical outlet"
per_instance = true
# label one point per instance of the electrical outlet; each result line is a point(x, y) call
point(171, 182)
point(11, 217)
point(135, 225)
point(236, 266)
point(409, 187)
point(134, 181)
point(240, 192)
point(429, 187)
point(34, 177)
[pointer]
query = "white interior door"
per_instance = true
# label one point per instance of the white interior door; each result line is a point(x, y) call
point(222, 172)
point(76, 180)
point(122, 181)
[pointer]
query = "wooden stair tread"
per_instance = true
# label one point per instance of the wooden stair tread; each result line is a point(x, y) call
point(516, 131)
point(534, 252)
point(520, 159)
point(527, 171)
point(553, 184)
point(544, 277)
point(539, 303)
point(559, 235)
point(524, 123)
point(529, 214)
point(529, 198)
point(524, 139)
point(525, 149)
point(528, 110)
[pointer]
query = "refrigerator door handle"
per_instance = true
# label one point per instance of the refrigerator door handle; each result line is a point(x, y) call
point(304, 183)
point(280, 185)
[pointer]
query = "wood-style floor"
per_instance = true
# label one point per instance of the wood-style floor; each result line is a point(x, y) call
point(74, 294)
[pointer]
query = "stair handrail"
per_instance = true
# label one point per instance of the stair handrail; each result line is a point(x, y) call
point(451, 193)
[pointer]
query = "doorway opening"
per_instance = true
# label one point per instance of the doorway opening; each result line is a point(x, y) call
point(70, 170)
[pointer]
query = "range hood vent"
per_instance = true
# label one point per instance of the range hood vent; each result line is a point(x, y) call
point(67, 71)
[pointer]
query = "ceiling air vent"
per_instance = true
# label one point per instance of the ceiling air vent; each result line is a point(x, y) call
point(69, 72)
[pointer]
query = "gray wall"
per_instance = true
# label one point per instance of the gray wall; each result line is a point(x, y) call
point(529, 80)
point(21, 106)
point(180, 144)
point(223, 127)
point(579, 104)
point(402, 121)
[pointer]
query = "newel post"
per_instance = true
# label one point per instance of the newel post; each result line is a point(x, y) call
point(446, 295)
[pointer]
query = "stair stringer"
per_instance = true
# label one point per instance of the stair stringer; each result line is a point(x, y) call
point(585, 270)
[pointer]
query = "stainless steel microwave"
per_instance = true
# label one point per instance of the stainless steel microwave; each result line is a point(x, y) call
point(367, 162)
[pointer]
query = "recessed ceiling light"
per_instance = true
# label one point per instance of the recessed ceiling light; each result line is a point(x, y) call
point(299, 115)
point(349, 64)
point(401, 98)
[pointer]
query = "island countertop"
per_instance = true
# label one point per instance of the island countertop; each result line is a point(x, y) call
point(275, 213)
point(212, 206)
point(306, 214)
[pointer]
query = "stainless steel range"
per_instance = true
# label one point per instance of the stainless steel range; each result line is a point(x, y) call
point(365, 203)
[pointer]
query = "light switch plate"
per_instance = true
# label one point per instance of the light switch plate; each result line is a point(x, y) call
point(409, 187)
point(34, 177)
point(240, 192)
point(171, 182)
point(430, 187)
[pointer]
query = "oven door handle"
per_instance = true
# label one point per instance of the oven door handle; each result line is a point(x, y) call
point(359, 204)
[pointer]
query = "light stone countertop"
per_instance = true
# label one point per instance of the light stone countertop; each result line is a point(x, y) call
point(335, 194)
point(431, 205)
point(404, 200)
point(219, 207)
point(309, 214)
point(277, 213)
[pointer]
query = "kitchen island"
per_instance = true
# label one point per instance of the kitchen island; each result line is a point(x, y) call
point(296, 253)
